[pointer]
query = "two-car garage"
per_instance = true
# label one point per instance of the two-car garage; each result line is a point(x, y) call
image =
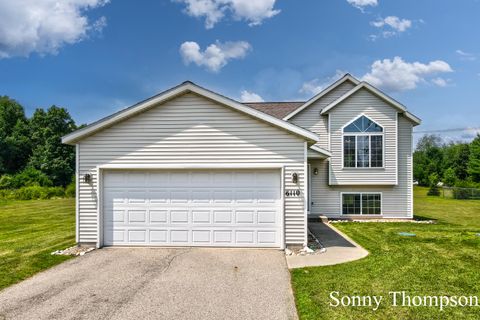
point(208, 207)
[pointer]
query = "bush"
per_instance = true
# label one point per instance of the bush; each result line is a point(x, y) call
point(70, 190)
point(434, 190)
point(27, 178)
point(449, 177)
point(29, 193)
point(33, 193)
point(6, 181)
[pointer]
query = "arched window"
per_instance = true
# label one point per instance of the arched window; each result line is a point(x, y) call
point(363, 144)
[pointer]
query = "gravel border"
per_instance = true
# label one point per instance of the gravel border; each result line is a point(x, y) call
point(73, 251)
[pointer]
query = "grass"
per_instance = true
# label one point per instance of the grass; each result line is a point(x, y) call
point(29, 232)
point(443, 259)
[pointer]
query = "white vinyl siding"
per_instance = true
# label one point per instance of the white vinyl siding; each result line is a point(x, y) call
point(310, 117)
point(192, 131)
point(397, 201)
point(366, 103)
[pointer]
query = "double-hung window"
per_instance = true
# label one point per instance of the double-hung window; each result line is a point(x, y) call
point(361, 203)
point(363, 144)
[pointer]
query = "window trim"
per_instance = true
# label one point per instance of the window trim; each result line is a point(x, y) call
point(361, 207)
point(355, 134)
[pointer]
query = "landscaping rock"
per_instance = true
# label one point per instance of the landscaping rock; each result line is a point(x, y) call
point(313, 247)
point(73, 251)
point(385, 221)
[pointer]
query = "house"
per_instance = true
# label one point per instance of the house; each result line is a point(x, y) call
point(190, 167)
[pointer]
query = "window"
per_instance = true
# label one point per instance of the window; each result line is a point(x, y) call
point(363, 144)
point(362, 203)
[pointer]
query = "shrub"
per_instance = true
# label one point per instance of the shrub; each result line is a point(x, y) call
point(434, 190)
point(70, 190)
point(5, 181)
point(34, 193)
point(55, 192)
point(449, 177)
point(26, 178)
point(29, 193)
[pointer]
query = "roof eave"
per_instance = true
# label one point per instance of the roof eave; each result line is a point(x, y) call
point(325, 153)
point(76, 136)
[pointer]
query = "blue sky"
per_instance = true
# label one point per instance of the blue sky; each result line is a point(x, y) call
point(95, 56)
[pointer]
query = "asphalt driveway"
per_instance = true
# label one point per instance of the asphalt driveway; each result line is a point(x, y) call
point(154, 283)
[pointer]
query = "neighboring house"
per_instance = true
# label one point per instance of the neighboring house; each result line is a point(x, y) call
point(190, 167)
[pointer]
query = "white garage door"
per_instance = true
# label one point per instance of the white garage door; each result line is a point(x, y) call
point(240, 208)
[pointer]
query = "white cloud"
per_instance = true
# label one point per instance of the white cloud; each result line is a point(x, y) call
point(440, 82)
point(394, 24)
point(44, 26)
point(247, 96)
point(215, 56)
point(466, 55)
point(398, 75)
point(361, 4)
point(254, 12)
point(316, 85)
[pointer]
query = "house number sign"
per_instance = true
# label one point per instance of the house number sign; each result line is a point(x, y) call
point(292, 193)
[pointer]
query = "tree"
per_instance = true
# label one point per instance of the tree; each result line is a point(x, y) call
point(428, 159)
point(460, 160)
point(49, 155)
point(449, 177)
point(15, 144)
point(474, 159)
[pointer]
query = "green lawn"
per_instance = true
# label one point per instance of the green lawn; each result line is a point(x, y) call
point(443, 259)
point(29, 232)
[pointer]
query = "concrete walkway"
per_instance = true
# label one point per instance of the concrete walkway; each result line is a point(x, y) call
point(340, 248)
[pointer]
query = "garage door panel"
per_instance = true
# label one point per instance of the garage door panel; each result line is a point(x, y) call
point(201, 216)
point(245, 236)
point(137, 216)
point(266, 237)
point(267, 216)
point(245, 216)
point(201, 236)
point(158, 236)
point(158, 216)
point(179, 236)
point(198, 208)
point(222, 216)
point(222, 237)
point(137, 236)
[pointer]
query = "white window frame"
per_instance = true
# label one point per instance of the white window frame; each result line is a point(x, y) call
point(369, 134)
point(361, 204)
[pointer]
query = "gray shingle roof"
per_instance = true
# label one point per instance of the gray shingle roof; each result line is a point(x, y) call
point(276, 109)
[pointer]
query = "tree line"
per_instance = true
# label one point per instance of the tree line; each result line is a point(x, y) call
point(31, 151)
point(453, 164)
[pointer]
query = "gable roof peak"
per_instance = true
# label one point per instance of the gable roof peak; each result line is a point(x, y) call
point(343, 79)
point(365, 85)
